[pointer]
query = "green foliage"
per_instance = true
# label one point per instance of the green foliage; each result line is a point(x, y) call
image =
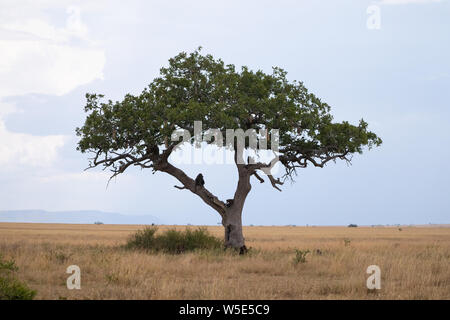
point(300, 256)
point(352, 225)
point(198, 87)
point(173, 241)
point(143, 239)
point(11, 288)
point(7, 265)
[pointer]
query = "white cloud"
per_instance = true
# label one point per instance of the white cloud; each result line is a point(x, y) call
point(29, 66)
point(19, 149)
point(407, 1)
point(37, 56)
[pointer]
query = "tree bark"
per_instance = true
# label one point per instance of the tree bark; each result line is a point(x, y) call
point(232, 222)
point(232, 219)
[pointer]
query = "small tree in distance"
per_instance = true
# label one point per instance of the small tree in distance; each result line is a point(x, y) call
point(137, 131)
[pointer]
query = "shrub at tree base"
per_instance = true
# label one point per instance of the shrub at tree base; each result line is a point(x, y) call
point(173, 241)
point(11, 288)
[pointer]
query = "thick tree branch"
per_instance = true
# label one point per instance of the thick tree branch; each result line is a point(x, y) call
point(258, 177)
point(266, 168)
point(189, 183)
point(159, 162)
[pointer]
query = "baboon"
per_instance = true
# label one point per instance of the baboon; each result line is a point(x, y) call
point(229, 202)
point(199, 181)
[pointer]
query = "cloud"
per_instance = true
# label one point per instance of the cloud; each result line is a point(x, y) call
point(38, 56)
point(33, 67)
point(41, 29)
point(25, 149)
point(394, 2)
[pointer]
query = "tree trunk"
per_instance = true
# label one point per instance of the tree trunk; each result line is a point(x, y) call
point(232, 222)
point(232, 219)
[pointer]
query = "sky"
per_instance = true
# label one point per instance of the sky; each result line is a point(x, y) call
point(385, 61)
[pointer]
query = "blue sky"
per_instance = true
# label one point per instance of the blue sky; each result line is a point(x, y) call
point(397, 78)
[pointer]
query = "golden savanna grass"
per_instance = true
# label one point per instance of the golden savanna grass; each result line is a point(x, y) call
point(414, 263)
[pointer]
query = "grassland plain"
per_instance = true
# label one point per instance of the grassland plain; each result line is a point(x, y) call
point(414, 263)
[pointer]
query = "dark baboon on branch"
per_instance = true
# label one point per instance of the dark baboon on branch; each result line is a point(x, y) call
point(199, 181)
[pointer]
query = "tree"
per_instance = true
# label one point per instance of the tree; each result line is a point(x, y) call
point(137, 131)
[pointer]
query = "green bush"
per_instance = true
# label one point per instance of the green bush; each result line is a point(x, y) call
point(173, 241)
point(7, 265)
point(11, 288)
point(300, 256)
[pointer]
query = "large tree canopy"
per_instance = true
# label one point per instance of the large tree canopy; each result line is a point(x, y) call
point(137, 130)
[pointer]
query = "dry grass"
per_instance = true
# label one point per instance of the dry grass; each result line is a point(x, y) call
point(414, 263)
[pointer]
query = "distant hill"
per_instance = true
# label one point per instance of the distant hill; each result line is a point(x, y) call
point(78, 217)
